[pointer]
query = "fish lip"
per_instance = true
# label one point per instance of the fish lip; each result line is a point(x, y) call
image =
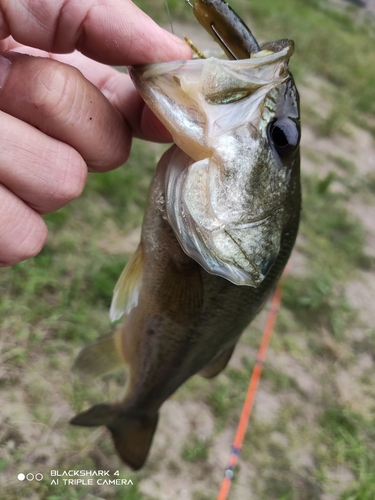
point(282, 49)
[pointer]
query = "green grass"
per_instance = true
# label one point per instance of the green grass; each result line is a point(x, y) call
point(196, 449)
point(344, 163)
point(351, 443)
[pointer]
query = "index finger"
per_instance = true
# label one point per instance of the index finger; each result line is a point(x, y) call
point(113, 32)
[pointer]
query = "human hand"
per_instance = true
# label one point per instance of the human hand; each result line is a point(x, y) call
point(57, 122)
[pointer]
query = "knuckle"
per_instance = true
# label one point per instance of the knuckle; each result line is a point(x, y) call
point(71, 180)
point(25, 240)
point(33, 243)
point(75, 179)
point(53, 90)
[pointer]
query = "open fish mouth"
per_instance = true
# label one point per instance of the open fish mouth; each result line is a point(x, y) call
point(229, 183)
point(191, 97)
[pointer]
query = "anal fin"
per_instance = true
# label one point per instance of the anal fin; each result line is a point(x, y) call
point(217, 365)
point(101, 357)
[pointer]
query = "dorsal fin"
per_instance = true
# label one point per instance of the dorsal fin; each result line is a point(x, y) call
point(125, 295)
point(102, 357)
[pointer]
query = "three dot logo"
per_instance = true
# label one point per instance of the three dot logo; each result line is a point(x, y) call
point(30, 477)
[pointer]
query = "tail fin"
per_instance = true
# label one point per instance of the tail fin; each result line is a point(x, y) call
point(132, 433)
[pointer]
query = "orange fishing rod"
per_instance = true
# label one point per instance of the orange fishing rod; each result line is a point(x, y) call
point(251, 392)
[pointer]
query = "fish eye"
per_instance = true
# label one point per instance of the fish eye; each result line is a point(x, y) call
point(285, 135)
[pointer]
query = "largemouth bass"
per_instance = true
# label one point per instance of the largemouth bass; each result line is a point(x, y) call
point(221, 220)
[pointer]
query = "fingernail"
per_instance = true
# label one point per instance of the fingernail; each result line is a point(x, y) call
point(5, 65)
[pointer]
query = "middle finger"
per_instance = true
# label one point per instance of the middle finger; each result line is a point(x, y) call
point(57, 99)
point(42, 171)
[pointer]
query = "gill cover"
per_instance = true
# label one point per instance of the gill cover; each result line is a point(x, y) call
point(229, 189)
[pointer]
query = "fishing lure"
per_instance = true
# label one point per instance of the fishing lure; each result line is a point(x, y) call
point(225, 27)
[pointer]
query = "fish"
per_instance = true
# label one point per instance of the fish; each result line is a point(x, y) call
point(221, 220)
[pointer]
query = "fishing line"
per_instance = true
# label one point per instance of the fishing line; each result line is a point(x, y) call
point(252, 389)
point(169, 16)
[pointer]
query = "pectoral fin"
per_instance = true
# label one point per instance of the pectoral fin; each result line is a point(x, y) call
point(181, 294)
point(125, 295)
point(217, 365)
point(132, 433)
point(102, 357)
